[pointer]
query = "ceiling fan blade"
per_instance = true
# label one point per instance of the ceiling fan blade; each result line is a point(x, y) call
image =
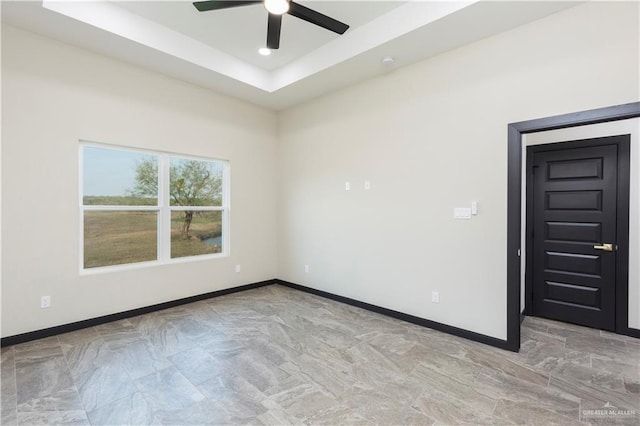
point(204, 6)
point(309, 15)
point(273, 31)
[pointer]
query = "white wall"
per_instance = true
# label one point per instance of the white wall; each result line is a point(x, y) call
point(52, 96)
point(432, 137)
point(624, 127)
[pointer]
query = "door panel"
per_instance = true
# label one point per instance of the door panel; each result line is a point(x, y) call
point(578, 232)
point(584, 264)
point(574, 209)
point(577, 294)
point(574, 200)
point(575, 169)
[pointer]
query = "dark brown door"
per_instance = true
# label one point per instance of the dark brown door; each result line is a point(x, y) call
point(574, 232)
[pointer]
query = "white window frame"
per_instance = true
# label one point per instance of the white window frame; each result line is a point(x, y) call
point(163, 209)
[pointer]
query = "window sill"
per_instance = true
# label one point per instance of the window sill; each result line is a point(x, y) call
point(155, 263)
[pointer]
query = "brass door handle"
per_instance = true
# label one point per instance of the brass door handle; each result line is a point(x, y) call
point(605, 247)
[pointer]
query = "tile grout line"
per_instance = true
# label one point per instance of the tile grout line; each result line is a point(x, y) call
point(495, 406)
point(73, 379)
point(15, 382)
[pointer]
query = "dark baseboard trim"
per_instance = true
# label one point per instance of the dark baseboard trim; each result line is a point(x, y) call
point(65, 328)
point(92, 322)
point(522, 315)
point(476, 337)
point(632, 332)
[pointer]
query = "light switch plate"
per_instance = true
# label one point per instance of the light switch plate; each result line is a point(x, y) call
point(462, 213)
point(474, 208)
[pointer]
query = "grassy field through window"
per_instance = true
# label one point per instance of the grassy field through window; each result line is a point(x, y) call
point(120, 237)
point(114, 238)
point(204, 237)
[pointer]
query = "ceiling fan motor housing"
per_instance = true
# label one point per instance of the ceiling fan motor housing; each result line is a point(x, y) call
point(276, 9)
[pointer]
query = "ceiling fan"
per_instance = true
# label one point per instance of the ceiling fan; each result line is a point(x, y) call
point(276, 9)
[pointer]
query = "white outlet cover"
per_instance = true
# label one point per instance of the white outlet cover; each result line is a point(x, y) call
point(462, 213)
point(237, 268)
point(347, 186)
point(367, 185)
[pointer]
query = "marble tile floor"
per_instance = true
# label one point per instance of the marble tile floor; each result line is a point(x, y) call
point(278, 356)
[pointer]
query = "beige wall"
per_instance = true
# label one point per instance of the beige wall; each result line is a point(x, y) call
point(431, 137)
point(52, 96)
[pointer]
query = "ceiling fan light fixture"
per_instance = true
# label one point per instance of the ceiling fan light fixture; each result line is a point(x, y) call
point(277, 7)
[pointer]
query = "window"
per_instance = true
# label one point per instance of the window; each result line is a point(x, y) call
point(141, 206)
point(195, 197)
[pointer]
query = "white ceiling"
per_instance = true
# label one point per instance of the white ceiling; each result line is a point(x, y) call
point(241, 31)
point(218, 49)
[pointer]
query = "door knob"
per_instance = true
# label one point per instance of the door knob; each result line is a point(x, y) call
point(605, 247)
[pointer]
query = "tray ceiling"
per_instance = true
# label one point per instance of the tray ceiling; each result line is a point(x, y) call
point(219, 49)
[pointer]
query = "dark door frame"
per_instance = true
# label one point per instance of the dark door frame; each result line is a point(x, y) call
point(622, 220)
point(514, 194)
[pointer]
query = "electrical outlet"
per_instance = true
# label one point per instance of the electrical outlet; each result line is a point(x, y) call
point(435, 297)
point(347, 186)
point(45, 302)
point(237, 268)
point(306, 269)
point(367, 185)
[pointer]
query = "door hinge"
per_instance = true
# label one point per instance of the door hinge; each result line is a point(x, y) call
point(518, 252)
